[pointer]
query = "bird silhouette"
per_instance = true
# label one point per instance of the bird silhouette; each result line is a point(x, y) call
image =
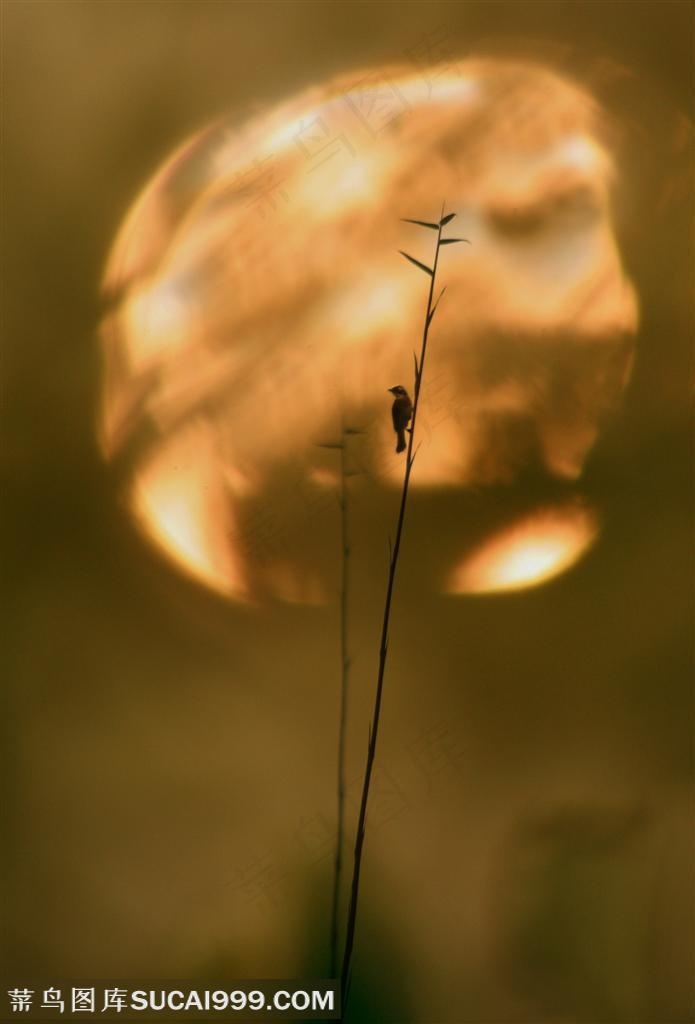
point(401, 412)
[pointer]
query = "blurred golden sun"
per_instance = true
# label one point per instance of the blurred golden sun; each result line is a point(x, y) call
point(257, 300)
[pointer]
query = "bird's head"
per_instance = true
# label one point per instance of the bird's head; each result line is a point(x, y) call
point(399, 391)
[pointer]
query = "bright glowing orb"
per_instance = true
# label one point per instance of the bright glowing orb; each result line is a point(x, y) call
point(257, 299)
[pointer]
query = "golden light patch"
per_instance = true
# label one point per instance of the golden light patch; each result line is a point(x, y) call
point(178, 504)
point(530, 552)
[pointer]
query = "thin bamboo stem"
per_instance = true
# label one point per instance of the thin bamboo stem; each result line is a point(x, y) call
point(383, 646)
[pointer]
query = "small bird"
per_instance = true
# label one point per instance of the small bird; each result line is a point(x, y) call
point(401, 412)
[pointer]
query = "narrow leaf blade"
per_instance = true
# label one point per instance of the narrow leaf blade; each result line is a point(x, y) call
point(417, 263)
point(434, 308)
point(421, 223)
point(451, 241)
point(445, 220)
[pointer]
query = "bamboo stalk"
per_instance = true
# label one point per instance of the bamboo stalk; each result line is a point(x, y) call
point(383, 646)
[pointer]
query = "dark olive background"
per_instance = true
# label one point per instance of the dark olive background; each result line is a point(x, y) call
point(169, 767)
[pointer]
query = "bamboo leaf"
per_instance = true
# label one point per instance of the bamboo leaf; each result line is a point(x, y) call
point(451, 241)
point(434, 308)
point(417, 263)
point(422, 223)
point(445, 220)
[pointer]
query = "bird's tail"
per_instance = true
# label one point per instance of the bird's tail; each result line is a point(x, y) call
point(401, 446)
